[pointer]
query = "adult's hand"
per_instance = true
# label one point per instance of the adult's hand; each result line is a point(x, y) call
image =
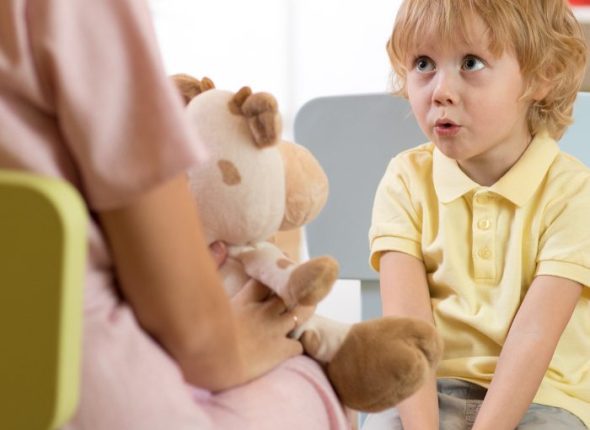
point(263, 327)
point(218, 251)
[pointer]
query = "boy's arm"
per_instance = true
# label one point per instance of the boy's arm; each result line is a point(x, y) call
point(404, 292)
point(527, 352)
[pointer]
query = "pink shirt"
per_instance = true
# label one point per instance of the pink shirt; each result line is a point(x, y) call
point(84, 96)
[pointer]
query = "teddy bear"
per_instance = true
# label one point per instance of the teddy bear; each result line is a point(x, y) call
point(255, 184)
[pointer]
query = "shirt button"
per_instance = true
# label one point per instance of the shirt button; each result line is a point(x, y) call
point(484, 224)
point(484, 253)
point(482, 198)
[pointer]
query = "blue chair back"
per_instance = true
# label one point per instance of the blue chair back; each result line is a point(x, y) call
point(354, 137)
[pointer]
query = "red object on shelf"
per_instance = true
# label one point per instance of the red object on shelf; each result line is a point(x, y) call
point(580, 2)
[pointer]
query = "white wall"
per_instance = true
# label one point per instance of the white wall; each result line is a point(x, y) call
point(295, 49)
point(228, 41)
point(340, 46)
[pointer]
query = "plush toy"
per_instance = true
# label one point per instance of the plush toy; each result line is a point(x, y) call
point(256, 184)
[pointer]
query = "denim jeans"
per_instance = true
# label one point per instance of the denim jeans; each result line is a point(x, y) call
point(459, 401)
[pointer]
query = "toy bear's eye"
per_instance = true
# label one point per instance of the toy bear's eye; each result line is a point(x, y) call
point(229, 172)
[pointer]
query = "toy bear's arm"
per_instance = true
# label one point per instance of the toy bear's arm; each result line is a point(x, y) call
point(268, 264)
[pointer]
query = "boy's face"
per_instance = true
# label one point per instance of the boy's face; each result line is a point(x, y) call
point(466, 101)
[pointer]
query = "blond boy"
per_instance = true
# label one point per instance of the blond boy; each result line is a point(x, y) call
point(484, 231)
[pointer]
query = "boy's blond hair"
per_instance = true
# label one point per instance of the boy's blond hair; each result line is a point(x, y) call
point(544, 35)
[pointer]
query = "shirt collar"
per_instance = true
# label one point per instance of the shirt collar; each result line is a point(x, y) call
point(517, 185)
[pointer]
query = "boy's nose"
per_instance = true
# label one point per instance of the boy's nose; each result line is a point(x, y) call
point(445, 90)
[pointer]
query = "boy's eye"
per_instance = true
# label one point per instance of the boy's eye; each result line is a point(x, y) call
point(471, 63)
point(424, 64)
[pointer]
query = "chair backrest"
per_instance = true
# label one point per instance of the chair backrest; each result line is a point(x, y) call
point(43, 226)
point(354, 137)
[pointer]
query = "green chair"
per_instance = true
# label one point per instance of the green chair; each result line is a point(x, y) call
point(43, 245)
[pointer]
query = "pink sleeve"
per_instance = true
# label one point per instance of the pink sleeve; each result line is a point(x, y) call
point(119, 114)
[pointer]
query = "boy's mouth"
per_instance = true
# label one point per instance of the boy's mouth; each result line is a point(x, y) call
point(446, 127)
point(444, 122)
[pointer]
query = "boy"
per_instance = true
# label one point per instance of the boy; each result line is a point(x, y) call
point(483, 232)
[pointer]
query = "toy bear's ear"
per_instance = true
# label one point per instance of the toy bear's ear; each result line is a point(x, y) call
point(262, 114)
point(190, 87)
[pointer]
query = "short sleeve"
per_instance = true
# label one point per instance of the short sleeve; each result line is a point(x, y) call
point(395, 224)
point(564, 248)
point(121, 118)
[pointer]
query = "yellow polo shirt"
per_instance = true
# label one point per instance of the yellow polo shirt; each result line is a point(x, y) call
point(482, 247)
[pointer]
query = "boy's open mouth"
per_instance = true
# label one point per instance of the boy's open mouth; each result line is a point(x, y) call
point(445, 127)
point(445, 123)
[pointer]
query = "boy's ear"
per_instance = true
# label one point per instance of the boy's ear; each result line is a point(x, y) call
point(541, 89)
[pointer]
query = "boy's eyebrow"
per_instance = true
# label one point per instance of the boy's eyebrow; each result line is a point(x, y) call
point(466, 44)
point(426, 46)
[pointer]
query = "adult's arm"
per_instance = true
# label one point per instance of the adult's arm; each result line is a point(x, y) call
point(168, 276)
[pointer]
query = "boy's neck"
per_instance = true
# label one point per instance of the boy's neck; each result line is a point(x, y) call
point(487, 170)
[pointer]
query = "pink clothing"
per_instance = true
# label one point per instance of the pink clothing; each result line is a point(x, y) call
point(74, 76)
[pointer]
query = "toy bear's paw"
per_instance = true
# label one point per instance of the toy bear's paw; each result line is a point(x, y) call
point(311, 281)
point(323, 337)
point(383, 361)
